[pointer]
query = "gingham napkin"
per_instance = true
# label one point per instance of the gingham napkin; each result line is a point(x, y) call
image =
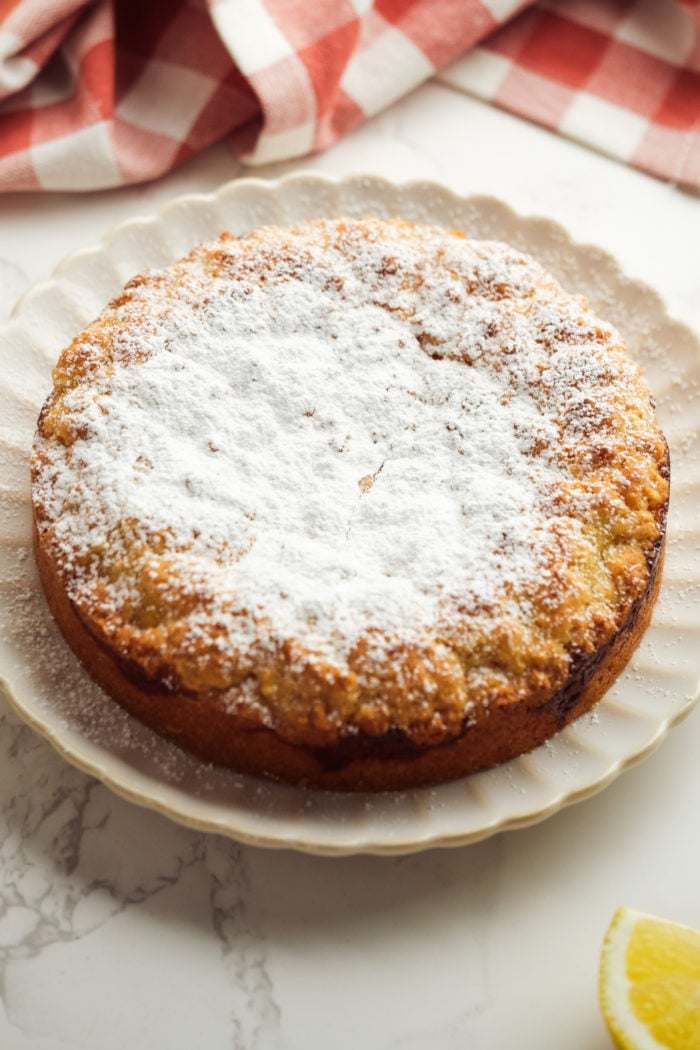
point(103, 93)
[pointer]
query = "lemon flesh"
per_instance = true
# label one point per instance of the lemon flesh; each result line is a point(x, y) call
point(650, 983)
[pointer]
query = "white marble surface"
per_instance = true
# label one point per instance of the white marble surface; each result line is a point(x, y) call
point(118, 928)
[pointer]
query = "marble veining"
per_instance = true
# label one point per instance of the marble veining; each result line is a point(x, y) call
point(255, 1014)
point(73, 857)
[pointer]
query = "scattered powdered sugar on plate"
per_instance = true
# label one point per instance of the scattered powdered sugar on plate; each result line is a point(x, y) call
point(61, 683)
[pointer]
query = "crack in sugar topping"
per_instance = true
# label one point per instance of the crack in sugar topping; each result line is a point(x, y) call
point(329, 444)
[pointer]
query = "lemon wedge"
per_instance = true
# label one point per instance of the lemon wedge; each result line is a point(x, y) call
point(650, 983)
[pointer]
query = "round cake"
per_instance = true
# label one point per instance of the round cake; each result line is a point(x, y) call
point(353, 504)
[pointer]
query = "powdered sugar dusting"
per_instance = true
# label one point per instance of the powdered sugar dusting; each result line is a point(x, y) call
point(338, 436)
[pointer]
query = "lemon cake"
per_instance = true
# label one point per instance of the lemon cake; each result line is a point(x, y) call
point(353, 504)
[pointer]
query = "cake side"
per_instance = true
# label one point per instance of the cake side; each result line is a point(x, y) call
point(201, 724)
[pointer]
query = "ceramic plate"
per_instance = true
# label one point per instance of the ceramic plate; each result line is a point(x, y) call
point(49, 690)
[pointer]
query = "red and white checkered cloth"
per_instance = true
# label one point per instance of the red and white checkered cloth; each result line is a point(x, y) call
point(106, 92)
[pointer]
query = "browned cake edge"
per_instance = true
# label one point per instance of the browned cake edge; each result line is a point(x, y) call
point(361, 763)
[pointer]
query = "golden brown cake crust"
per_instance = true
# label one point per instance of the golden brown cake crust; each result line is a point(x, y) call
point(477, 676)
point(384, 763)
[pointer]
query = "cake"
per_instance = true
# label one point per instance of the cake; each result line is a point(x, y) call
point(357, 505)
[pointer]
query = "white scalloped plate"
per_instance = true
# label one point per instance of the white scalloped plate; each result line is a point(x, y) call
point(51, 692)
